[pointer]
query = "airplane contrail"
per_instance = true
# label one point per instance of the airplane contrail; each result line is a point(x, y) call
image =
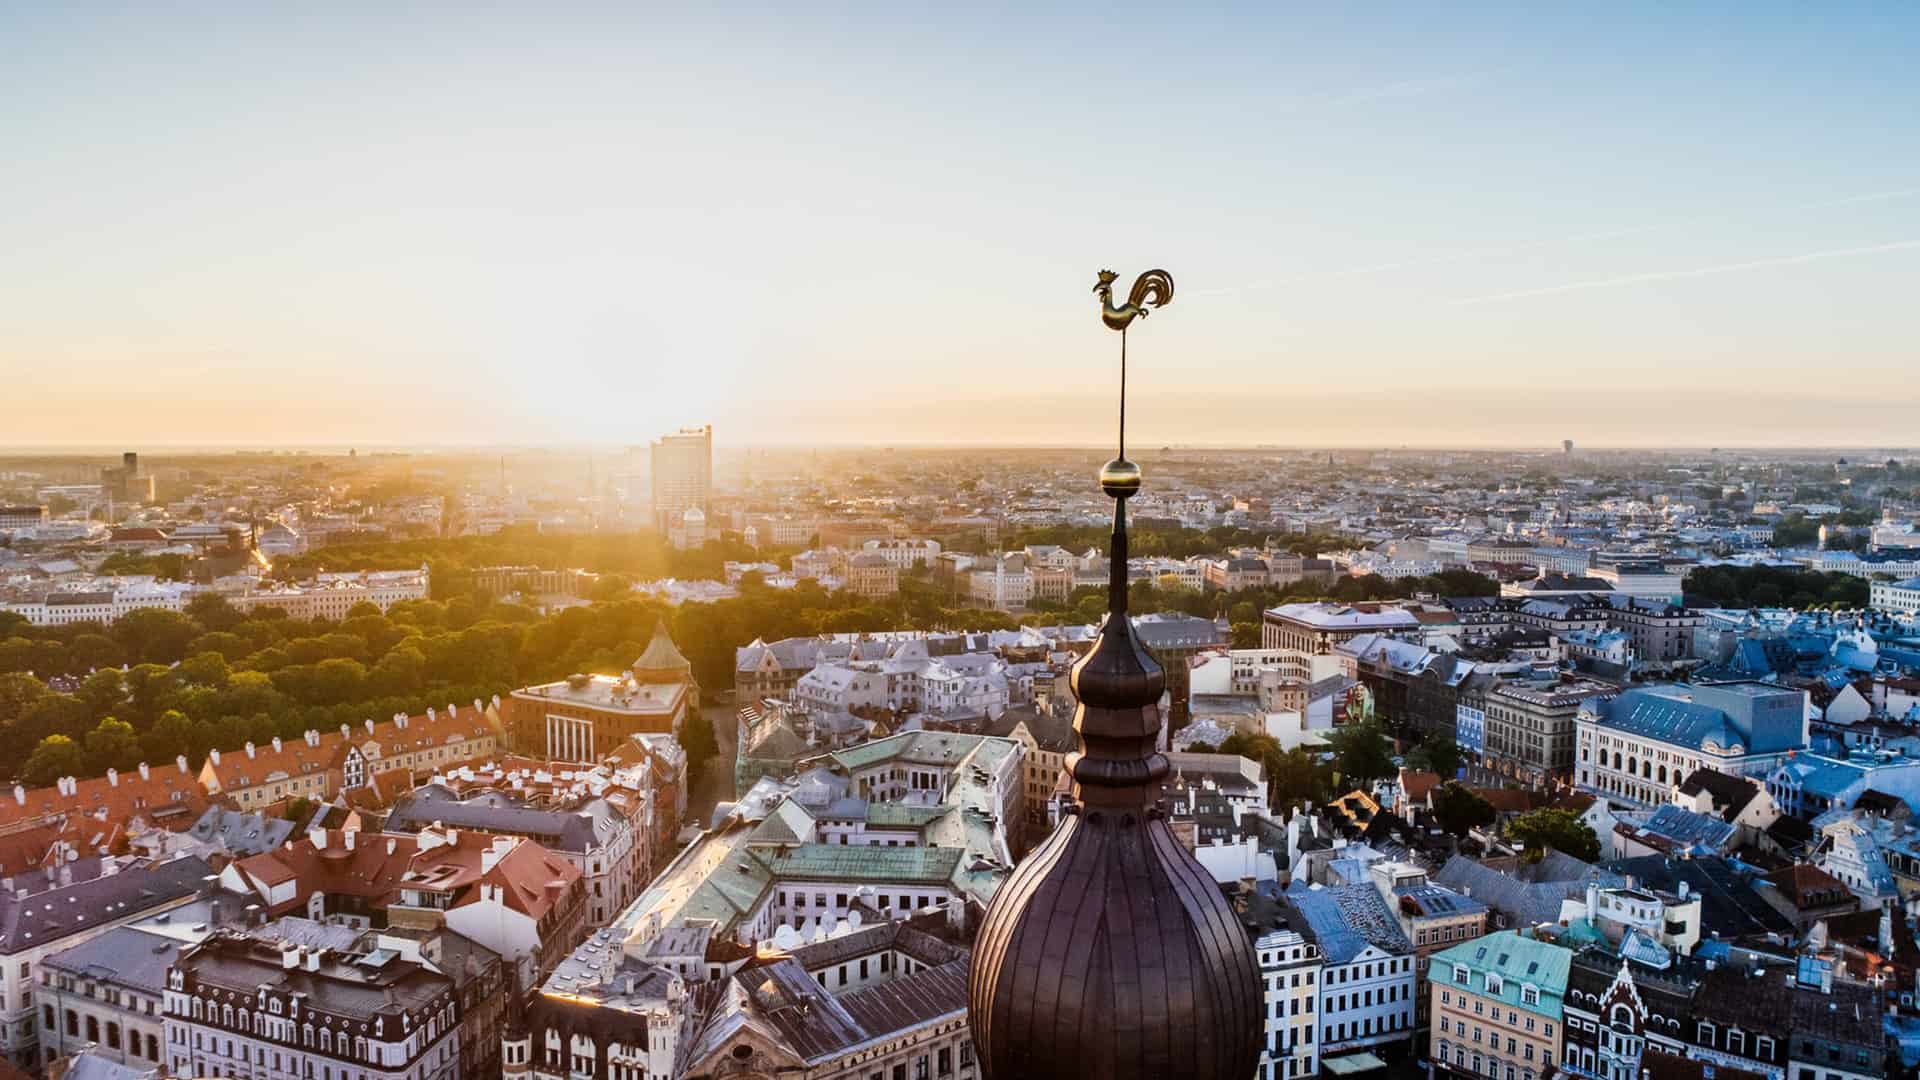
point(1520, 249)
point(1702, 271)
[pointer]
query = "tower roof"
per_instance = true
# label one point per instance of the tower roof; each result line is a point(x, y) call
point(1111, 952)
point(661, 660)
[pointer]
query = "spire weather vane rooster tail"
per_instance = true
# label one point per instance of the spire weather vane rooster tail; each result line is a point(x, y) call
point(1153, 289)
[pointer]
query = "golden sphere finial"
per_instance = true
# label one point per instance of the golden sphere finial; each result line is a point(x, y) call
point(1119, 478)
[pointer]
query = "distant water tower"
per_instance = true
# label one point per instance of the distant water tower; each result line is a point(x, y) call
point(1566, 447)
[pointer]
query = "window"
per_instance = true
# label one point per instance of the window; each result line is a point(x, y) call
point(1460, 975)
point(1529, 995)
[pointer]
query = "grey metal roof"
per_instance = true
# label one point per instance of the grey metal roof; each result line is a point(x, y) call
point(123, 956)
point(241, 834)
point(54, 913)
point(494, 811)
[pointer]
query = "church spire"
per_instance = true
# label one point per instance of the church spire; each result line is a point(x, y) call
point(1110, 952)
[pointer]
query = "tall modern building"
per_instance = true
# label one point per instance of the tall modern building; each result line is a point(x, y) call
point(682, 470)
point(125, 483)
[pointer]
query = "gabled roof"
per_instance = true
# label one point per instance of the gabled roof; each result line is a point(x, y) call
point(1730, 792)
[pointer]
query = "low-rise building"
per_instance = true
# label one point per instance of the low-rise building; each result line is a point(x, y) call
point(241, 1006)
point(1636, 746)
point(51, 911)
point(1316, 628)
point(593, 835)
point(1291, 968)
point(886, 1000)
point(583, 717)
point(1367, 987)
point(1497, 1005)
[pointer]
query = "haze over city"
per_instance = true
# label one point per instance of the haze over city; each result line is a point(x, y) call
point(1413, 225)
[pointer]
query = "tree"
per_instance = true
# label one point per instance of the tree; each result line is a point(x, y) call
point(175, 734)
point(104, 691)
point(208, 669)
point(1296, 777)
point(18, 692)
point(54, 714)
point(155, 634)
point(1435, 754)
point(55, 756)
point(112, 745)
point(1361, 753)
point(1458, 809)
point(1561, 830)
point(696, 738)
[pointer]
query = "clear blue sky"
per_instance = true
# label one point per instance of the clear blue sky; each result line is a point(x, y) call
point(1420, 224)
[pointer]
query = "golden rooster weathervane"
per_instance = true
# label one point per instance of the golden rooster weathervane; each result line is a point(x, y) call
point(1120, 478)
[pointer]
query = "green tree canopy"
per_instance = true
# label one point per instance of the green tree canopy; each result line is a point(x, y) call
point(112, 745)
point(54, 757)
point(1458, 809)
point(1561, 830)
point(1362, 753)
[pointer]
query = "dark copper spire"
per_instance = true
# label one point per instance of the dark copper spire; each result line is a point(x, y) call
point(1111, 952)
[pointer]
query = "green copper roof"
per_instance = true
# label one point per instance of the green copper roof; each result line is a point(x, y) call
point(863, 864)
point(1515, 962)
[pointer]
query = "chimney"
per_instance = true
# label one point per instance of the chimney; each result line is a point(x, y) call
point(289, 957)
point(213, 756)
point(346, 732)
point(400, 719)
point(313, 959)
point(431, 717)
point(20, 794)
point(319, 839)
point(181, 761)
point(250, 751)
point(276, 744)
point(113, 777)
point(452, 713)
point(144, 774)
point(313, 738)
point(369, 727)
point(348, 835)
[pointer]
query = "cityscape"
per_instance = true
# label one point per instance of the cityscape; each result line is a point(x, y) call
point(879, 641)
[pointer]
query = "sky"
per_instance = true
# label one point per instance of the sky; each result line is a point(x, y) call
point(1424, 225)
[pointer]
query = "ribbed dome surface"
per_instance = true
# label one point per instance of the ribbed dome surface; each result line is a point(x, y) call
point(1111, 953)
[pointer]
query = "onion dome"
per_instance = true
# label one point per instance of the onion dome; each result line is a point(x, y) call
point(1111, 952)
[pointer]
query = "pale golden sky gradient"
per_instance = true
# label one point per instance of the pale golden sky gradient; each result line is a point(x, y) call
point(1636, 226)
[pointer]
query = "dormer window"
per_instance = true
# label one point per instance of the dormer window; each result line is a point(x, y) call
point(1529, 995)
point(1460, 975)
point(1494, 984)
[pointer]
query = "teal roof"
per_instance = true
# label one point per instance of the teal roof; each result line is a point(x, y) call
point(863, 864)
point(1515, 962)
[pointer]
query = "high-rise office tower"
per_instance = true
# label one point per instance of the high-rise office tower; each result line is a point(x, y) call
point(682, 474)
